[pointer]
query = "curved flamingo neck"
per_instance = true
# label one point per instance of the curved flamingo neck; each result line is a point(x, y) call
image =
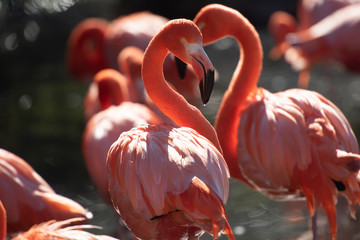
point(112, 88)
point(243, 82)
point(248, 69)
point(166, 99)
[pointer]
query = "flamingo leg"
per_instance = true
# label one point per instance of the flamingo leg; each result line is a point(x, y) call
point(314, 225)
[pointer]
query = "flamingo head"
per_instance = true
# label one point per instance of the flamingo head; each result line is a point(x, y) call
point(85, 48)
point(210, 21)
point(112, 87)
point(280, 24)
point(185, 42)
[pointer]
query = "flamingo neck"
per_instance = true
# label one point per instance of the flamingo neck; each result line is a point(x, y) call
point(172, 104)
point(92, 43)
point(243, 83)
point(112, 88)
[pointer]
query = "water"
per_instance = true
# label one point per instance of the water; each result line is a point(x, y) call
point(41, 118)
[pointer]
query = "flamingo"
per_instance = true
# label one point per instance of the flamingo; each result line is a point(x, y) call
point(309, 12)
point(60, 230)
point(335, 38)
point(113, 93)
point(117, 115)
point(170, 181)
point(288, 145)
point(131, 85)
point(28, 199)
point(95, 43)
point(130, 61)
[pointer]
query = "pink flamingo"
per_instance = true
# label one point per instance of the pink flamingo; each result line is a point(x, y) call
point(167, 181)
point(133, 90)
point(130, 61)
point(335, 38)
point(287, 145)
point(59, 230)
point(28, 199)
point(117, 115)
point(93, 102)
point(94, 44)
point(309, 12)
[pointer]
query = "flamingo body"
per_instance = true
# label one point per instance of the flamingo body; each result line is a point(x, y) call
point(309, 12)
point(291, 144)
point(60, 230)
point(117, 115)
point(103, 130)
point(296, 131)
point(167, 181)
point(135, 29)
point(334, 38)
point(160, 174)
point(326, 30)
point(28, 199)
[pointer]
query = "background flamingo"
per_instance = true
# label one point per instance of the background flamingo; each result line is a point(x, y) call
point(130, 61)
point(130, 85)
point(28, 199)
point(119, 115)
point(286, 145)
point(170, 180)
point(335, 38)
point(94, 44)
point(60, 230)
point(309, 13)
point(101, 96)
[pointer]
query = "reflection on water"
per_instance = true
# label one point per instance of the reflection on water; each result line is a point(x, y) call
point(41, 120)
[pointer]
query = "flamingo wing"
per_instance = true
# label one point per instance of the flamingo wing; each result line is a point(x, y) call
point(28, 199)
point(272, 131)
point(153, 172)
point(61, 230)
point(296, 143)
point(102, 130)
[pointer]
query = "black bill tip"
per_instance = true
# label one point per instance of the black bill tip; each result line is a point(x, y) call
point(206, 85)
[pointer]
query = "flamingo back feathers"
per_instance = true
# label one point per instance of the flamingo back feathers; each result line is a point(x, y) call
point(61, 230)
point(156, 164)
point(319, 155)
point(102, 130)
point(28, 199)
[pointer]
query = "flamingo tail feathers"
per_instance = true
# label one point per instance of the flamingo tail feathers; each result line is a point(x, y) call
point(200, 203)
